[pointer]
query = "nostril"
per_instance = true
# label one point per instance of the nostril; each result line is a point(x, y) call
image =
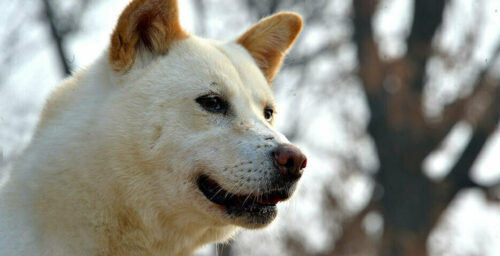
point(269, 138)
point(282, 157)
point(289, 163)
point(304, 164)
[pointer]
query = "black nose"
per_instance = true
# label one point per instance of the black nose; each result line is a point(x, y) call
point(289, 160)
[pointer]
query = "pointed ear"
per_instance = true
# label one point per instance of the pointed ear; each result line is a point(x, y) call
point(150, 24)
point(269, 40)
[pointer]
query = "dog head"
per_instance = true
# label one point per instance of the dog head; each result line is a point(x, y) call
point(194, 117)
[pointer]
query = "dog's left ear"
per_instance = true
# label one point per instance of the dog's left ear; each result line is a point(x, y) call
point(152, 25)
point(269, 40)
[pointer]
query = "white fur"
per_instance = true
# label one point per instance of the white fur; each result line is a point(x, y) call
point(130, 145)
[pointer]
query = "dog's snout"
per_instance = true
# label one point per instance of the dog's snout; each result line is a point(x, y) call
point(289, 160)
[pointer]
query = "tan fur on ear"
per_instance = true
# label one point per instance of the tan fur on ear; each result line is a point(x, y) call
point(153, 24)
point(269, 40)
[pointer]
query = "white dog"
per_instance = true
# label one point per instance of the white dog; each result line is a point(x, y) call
point(162, 145)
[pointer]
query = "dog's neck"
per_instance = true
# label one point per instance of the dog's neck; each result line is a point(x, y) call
point(81, 208)
point(111, 226)
point(81, 217)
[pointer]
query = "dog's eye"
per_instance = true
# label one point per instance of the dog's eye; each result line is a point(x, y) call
point(268, 114)
point(213, 103)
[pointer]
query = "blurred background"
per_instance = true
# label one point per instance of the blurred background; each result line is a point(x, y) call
point(395, 102)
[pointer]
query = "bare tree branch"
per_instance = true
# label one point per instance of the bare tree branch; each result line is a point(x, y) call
point(354, 240)
point(58, 39)
point(427, 17)
point(304, 60)
point(458, 110)
point(400, 130)
point(201, 16)
point(492, 192)
point(488, 117)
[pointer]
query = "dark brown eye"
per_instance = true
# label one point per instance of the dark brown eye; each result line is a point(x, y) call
point(268, 114)
point(213, 103)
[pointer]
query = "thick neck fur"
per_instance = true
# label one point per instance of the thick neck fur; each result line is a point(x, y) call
point(82, 208)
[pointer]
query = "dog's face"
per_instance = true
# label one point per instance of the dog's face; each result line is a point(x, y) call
point(204, 111)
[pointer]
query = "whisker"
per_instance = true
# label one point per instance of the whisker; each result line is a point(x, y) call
point(218, 191)
point(227, 193)
point(248, 196)
point(256, 197)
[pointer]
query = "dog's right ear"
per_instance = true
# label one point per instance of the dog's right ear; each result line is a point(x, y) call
point(151, 24)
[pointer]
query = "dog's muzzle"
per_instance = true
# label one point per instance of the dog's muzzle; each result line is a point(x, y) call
point(289, 163)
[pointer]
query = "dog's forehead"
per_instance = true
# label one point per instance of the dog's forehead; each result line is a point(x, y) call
point(227, 67)
point(252, 80)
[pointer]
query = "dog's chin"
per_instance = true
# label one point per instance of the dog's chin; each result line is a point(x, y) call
point(253, 217)
point(248, 211)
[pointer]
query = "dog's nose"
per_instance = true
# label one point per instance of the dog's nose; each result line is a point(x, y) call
point(289, 160)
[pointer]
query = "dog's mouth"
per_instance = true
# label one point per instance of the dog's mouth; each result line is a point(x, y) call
point(250, 210)
point(216, 194)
